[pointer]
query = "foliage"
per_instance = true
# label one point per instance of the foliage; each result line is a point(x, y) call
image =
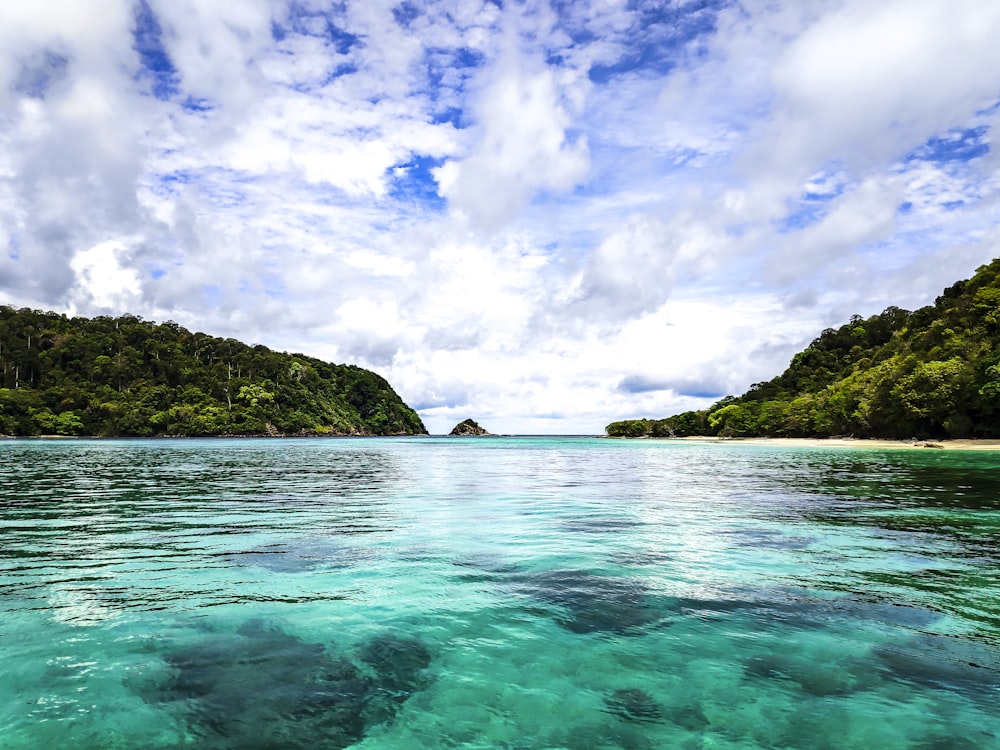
point(629, 428)
point(934, 372)
point(126, 376)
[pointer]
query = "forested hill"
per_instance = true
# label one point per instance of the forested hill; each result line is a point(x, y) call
point(130, 377)
point(930, 373)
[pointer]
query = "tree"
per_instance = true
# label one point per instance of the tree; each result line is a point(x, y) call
point(126, 376)
point(935, 371)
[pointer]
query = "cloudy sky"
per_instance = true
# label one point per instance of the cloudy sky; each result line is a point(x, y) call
point(545, 215)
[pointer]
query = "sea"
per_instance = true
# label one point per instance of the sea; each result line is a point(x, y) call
point(498, 592)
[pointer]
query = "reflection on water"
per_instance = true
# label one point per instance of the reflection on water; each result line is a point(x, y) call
point(512, 593)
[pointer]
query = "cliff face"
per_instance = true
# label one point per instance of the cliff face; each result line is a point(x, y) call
point(934, 372)
point(469, 428)
point(126, 376)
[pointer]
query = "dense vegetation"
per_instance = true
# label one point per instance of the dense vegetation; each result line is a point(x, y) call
point(930, 373)
point(127, 376)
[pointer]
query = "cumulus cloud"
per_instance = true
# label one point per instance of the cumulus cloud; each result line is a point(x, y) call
point(866, 79)
point(632, 272)
point(523, 148)
point(103, 278)
point(547, 215)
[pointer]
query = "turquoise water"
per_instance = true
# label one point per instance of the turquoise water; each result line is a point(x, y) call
point(496, 593)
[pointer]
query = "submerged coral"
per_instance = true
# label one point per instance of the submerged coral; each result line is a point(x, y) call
point(593, 602)
point(261, 687)
point(633, 704)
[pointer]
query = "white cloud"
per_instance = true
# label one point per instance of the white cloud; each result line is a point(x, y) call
point(863, 215)
point(214, 45)
point(102, 280)
point(633, 271)
point(522, 148)
point(871, 78)
point(509, 212)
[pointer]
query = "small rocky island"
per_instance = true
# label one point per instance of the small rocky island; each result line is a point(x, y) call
point(469, 428)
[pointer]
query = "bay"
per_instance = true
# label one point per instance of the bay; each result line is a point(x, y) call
point(496, 593)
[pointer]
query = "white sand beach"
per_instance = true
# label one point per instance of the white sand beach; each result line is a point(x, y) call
point(965, 445)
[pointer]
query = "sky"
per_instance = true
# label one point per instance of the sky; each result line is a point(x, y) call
point(545, 215)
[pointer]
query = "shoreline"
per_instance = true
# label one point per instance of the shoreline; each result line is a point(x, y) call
point(979, 444)
point(867, 443)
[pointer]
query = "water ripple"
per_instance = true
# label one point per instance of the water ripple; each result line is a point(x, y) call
point(518, 592)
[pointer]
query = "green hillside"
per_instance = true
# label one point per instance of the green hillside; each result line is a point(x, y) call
point(934, 372)
point(130, 377)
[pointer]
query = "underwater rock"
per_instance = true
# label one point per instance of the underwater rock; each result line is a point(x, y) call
point(599, 524)
point(888, 612)
point(763, 538)
point(588, 602)
point(633, 704)
point(764, 609)
point(640, 559)
point(262, 687)
point(689, 717)
point(484, 569)
point(615, 734)
point(719, 607)
point(816, 679)
point(769, 665)
point(592, 602)
point(956, 742)
point(302, 556)
point(777, 607)
point(943, 662)
point(397, 660)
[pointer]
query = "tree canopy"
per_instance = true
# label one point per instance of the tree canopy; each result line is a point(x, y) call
point(129, 377)
point(934, 372)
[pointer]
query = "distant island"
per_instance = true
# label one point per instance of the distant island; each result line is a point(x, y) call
point(930, 373)
point(125, 376)
point(469, 428)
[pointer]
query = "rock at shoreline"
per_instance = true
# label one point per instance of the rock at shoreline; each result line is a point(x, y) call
point(469, 428)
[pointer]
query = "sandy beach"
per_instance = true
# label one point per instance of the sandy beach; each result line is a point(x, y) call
point(964, 445)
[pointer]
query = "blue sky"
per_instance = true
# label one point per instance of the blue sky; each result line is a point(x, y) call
point(544, 215)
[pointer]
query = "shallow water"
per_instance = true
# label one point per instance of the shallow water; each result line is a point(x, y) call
point(496, 593)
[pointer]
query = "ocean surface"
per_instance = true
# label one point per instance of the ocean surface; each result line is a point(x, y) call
point(496, 593)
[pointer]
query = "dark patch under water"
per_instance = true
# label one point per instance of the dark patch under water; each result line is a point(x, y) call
point(593, 602)
point(398, 662)
point(945, 663)
point(261, 687)
point(300, 556)
point(589, 602)
point(929, 661)
point(818, 679)
point(600, 524)
point(762, 538)
point(641, 558)
point(633, 704)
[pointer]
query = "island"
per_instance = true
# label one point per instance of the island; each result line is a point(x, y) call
point(931, 373)
point(124, 376)
point(469, 428)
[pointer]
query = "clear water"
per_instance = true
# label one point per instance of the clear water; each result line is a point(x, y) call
point(496, 593)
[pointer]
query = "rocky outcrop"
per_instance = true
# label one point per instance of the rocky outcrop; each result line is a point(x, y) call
point(469, 428)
